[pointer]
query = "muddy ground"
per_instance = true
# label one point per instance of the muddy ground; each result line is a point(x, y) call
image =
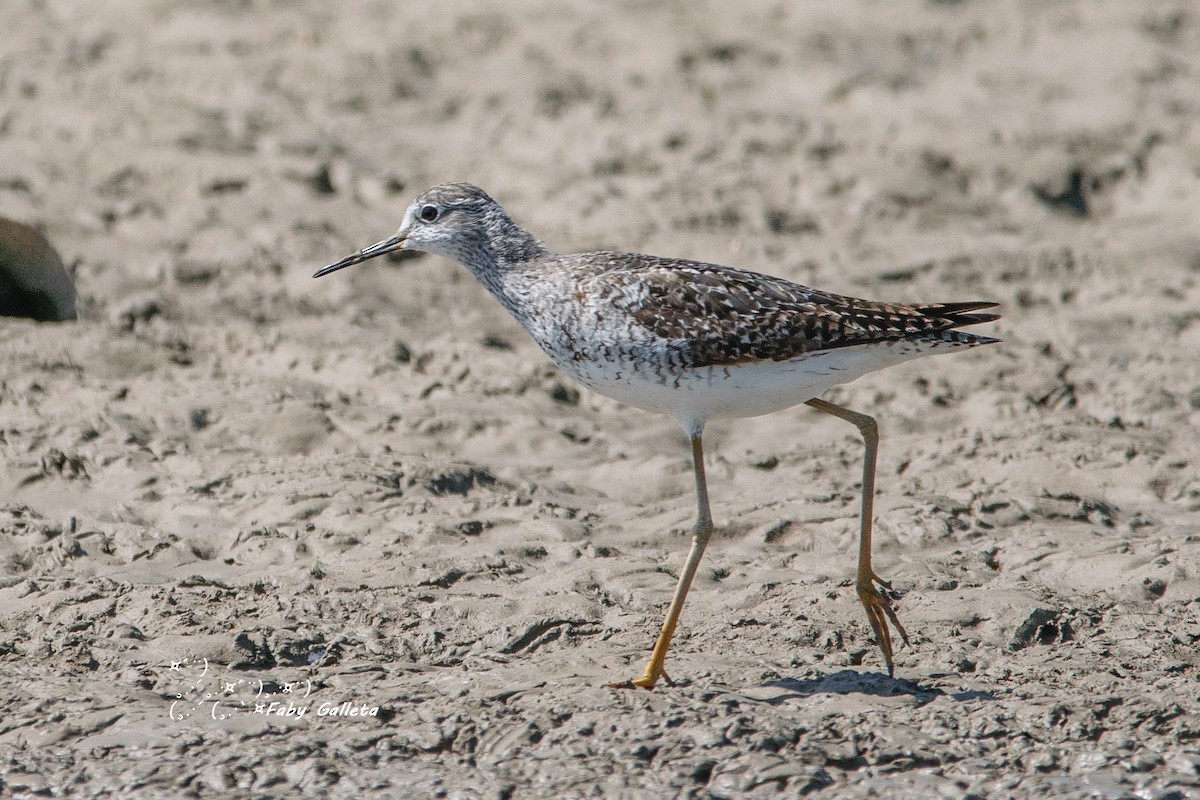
point(230, 485)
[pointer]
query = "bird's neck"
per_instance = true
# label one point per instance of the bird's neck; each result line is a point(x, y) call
point(512, 246)
point(503, 261)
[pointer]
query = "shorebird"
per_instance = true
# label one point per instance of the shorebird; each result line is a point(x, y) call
point(696, 341)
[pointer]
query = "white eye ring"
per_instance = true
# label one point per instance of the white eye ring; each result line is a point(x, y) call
point(428, 213)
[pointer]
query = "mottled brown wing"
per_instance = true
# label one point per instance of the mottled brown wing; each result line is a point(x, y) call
point(720, 315)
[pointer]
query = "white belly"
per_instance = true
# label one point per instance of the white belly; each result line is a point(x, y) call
point(696, 395)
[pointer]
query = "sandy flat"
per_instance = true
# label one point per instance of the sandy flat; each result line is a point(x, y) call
point(266, 536)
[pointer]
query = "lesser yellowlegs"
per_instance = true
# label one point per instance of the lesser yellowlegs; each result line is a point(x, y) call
point(697, 341)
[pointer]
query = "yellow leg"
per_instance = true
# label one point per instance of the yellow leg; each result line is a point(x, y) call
point(878, 606)
point(656, 667)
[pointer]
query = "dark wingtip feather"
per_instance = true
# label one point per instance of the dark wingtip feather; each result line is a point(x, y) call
point(958, 315)
point(958, 308)
point(974, 319)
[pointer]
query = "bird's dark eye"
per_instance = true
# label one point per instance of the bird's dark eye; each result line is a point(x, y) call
point(429, 213)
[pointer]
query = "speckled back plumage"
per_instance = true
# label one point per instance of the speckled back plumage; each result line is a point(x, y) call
point(732, 316)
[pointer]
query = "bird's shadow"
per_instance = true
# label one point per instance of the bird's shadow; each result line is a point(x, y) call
point(847, 681)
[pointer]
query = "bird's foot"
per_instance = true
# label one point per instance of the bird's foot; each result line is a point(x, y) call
point(880, 613)
point(647, 681)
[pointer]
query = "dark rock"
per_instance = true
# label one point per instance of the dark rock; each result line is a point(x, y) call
point(1042, 626)
point(459, 481)
point(33, 281)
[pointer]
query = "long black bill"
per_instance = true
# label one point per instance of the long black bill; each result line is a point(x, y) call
point(378, 249)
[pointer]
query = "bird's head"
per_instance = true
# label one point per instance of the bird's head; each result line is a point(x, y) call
point(456, 220)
